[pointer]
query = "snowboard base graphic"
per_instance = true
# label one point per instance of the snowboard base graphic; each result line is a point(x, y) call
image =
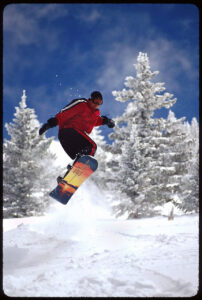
point(80, 171)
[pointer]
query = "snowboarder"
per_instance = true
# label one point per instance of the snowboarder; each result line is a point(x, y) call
point(76, 120)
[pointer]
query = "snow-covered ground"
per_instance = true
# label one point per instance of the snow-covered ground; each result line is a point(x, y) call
point(80, 250)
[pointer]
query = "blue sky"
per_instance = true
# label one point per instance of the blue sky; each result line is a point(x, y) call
point(57, 52)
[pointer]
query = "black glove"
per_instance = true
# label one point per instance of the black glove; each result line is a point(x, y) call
point(43, 128)
point(109, 122)
point(52, 122)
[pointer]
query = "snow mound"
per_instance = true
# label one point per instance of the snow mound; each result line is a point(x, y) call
point(61, 255)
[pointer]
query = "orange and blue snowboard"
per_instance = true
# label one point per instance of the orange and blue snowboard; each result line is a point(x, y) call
point(80, 171)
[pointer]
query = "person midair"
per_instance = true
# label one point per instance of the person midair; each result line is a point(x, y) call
point(76, 120)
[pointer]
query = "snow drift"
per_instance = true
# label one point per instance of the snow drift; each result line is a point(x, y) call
point(80, 250)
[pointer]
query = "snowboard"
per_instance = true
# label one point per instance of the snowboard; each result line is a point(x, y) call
point(80, 171)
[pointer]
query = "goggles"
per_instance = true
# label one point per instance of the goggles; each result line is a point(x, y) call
point(97, 101)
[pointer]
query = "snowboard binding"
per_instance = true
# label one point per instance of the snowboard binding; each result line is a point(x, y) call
point(60, 179)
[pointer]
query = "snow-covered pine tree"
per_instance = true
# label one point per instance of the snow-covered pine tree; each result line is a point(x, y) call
point(26, 165)
point(126, 193)
point(172, 166)
point(115, 153)
point(194, 165)
point(102, 157)
point(190, 181)
point(139, 151)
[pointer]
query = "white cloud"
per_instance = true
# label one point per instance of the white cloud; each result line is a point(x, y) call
point(87, 13)
point(90, 16)
point(165, 56)
point(94, 16)
point(171, 60)
point(23, 29)
point(22, 23)
point(118, 63)
point(50, 11)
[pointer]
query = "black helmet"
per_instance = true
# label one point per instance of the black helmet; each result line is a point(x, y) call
point(96, 95)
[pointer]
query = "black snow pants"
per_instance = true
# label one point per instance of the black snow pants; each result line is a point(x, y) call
point(76, 142)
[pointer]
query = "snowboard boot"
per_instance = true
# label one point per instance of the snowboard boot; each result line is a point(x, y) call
point(69, 167)
point(60, 178)
point(77, 157)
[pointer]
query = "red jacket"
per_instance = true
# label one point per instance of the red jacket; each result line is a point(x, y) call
point(80, 116)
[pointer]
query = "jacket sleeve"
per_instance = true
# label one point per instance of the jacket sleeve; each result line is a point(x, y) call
point(99, 121)
point(68, 114)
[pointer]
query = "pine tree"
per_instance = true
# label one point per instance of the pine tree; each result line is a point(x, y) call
point(101, 155)
point(136, 170)
point(194, 165)
point(26, 172)
point(189, 200)
point(173, 160)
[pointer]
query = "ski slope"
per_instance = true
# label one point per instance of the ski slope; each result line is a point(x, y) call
point(81, 250)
